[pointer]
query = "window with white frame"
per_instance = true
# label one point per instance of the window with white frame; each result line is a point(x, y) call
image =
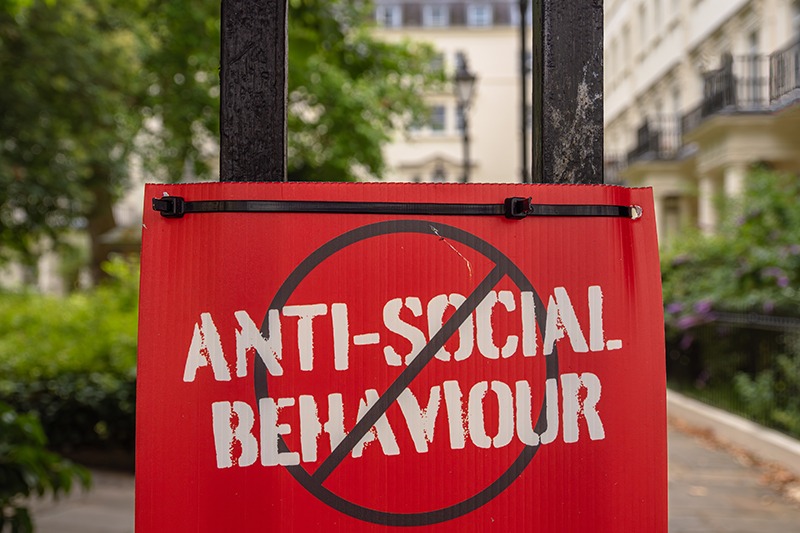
point(436, 65)
point(435, 16)
point(643, 34)
point(657, 15)
point(479, 15)
point(438, 118)
point(389, 16)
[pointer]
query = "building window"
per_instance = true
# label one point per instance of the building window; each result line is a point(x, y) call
point(460, 119)
point(439, 175)
point(479, 15)
point(642, 27)
point(389, 16)
point(437, 16)
point(672, 219)
point(438, 118)
point(796, 19)
point(676, 100)
point(436, 65)
point(657, 18)
point(626, 48)
point(514, 18)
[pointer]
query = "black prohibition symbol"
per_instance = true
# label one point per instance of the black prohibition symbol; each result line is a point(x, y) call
point(313, 482)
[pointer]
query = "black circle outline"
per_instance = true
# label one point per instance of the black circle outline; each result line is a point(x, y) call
point(386, 228)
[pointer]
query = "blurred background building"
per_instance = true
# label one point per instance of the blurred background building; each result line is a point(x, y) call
point(483, 37)
point(696, 92)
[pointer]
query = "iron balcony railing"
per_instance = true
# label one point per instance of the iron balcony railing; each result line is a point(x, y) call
point(658, 138)
point(784, 72)
point(613, 165)
point(741, 84)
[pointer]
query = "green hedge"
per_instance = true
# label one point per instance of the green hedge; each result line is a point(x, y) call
point(72, 360)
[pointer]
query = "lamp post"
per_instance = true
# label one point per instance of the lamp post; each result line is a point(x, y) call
point(463, 87)
point(523, 79)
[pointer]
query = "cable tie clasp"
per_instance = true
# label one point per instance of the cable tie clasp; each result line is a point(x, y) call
point(170, 206)
point(517, 207)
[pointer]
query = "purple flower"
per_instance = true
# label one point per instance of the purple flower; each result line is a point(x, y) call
point(794, 249)
point(703, 307)
point(783, 282)
point(674, 308)
point(688, 321)
point(769, 306)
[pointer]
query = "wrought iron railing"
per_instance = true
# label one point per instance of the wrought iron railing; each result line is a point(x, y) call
point(658, 138)
point(740, 84)
point(745, 363)
point(784, 71)
point(613, 165)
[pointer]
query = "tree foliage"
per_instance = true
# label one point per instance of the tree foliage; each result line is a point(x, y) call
point(90, 83)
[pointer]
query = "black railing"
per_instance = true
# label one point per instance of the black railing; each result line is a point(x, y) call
point(613, 165)
point(741, 84)
point(784, 72)
point(745, 363)
point(659, 138)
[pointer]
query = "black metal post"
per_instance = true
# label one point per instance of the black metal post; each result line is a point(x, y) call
point(465, 141)
point(568, 91)
point(523, 81)
point(253, 76)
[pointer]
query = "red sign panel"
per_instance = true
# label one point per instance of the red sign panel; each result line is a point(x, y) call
point(312, 371)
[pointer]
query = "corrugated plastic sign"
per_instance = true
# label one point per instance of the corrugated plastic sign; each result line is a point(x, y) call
point(361, 371)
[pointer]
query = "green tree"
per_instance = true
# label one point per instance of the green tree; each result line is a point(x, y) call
point(71, 88)
point(90, 83)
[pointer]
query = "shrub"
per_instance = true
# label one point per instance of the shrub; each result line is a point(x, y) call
point(27, 468)
point(73, 360)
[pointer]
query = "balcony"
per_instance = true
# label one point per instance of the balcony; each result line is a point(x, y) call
point(748, 84)
point(784, 69)
point(659, 138)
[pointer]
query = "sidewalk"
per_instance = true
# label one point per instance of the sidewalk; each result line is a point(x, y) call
point(710, 491)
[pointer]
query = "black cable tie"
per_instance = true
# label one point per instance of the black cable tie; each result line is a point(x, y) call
point(515, 208)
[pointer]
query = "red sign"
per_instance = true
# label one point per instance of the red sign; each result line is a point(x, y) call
point(358, 370)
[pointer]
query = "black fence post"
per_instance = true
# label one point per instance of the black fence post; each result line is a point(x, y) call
point(253, 72)
point(567, 91)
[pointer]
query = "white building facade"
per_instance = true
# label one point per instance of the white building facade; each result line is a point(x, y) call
point(486, 34)
point(696, 92)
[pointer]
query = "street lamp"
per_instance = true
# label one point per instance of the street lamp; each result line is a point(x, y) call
point(463, 87)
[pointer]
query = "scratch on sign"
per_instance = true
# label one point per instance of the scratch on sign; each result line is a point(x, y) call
point(469, 265)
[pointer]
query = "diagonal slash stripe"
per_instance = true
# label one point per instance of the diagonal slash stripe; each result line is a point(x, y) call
point(407, 376)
